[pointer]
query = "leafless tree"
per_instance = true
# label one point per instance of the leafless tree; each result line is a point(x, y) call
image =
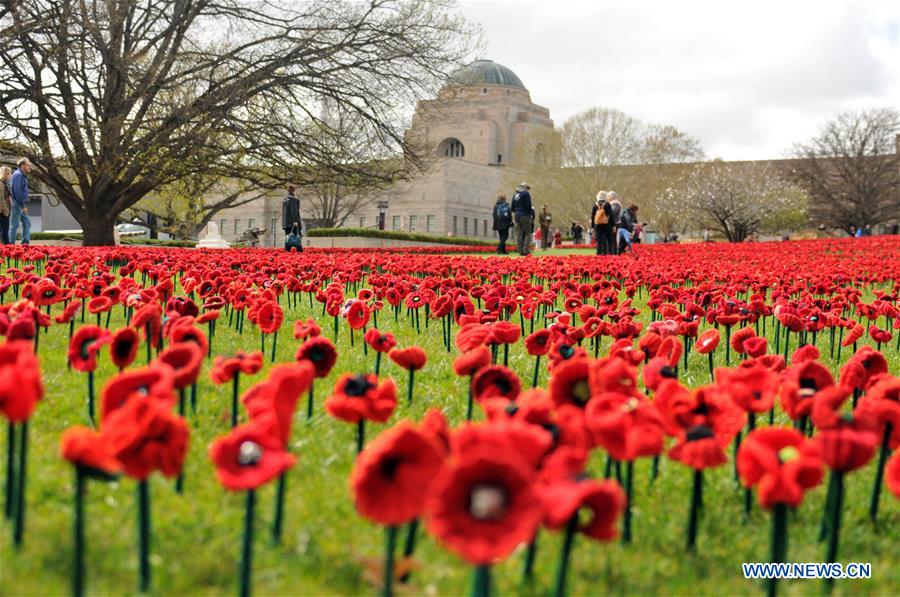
point(851, 170)
point(737, 200)
point(117, 99)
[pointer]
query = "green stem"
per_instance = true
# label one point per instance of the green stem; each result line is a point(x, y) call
point(537, 364)
point(481, 581)
point(247, 545)
point(390, 541)
point(470, 403)
point(235, 384)
point(144, 535)
point(278, 519)
point(409, 390)
point(10, 493)
point(91, 398)
point(566, 550)
point(629, 480)
point(883, 454)
point(309, 401)
point(530, 553)
point(696, 500)
point(410, 546)
point(78, 564)
point(19, 527)
point(837, 480)
point(779, 543)
point(360, 435)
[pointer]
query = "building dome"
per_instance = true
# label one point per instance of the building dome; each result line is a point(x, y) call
point(486, 72)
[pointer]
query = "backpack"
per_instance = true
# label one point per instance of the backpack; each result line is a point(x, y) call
point(600, 217)
point(293, 241)
point(503, 211)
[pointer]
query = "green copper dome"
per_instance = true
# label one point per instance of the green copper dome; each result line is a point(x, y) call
point(486, 72)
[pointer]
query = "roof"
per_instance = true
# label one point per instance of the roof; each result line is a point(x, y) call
point(486, 72)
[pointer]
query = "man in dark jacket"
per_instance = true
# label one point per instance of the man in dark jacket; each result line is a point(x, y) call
point(524, 218)
point(502, 222)
point(602, 221)
point(290, 212)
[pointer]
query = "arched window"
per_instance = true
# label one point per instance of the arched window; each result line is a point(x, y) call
point(452, 148)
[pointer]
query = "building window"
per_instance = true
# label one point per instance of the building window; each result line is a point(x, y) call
point(222, 224)
point(395, 223)
point(429, 223)
point(465, 225)
point(452, 148)
point(484, 228)
point(455, 228)
point(272, 226)
point(499, 158)
point(251, 223)
point(413, 223)
point(237, 226)
point(362, 221)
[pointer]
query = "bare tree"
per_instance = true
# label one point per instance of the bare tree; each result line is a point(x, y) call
point(117, 99)
point(851, 170)
point(737, 200)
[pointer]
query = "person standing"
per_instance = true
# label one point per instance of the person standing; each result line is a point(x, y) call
point(546, 220)
point(616, 207)
point(626, 228)
point(290, 211)
point(502, 222)
point(5, 203)
point(602, 224)
point(524, 218)
point(19, 203)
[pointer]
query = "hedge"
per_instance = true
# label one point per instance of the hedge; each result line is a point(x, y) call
point(154, 242)
point(393, 235)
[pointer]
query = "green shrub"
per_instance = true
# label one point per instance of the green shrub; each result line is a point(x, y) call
point(393, 235)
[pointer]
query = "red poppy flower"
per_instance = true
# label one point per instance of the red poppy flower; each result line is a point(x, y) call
point(412, 358)
point(738, 337)
point(207, 317)
point(649, 343)
point(155, 382)
point(249, 456)
point(656, 371)
point(752, 388)
point(69, 312)
point(612, 374)
point(189, 333)
point(149, 320)
point(357, 314)
point(123, 347)
point(871, 362)
point(88, 449)
point(362, 397)
point(85, 345)
point(801, 383)
point(781, 463)
point(626, 427)
point(788, 319)
point(483, 504)
point(380, 341)
point(755, 346)
point(434, 425)
point(602, 502)
point(879, 335)
point(892, 474)
point(319, 351)
point(22, 328)
point(881, 407)
point(391, 478)
point(224, 368)
point(569, 383)
point(99, 304)
point(278, 394)
point(699, 448)
point(495, 381)
point(807, 352)
point(185, 360)
point(707, 341)
point(853, 335)
point(686, 411)
point(145, 436)
point(306, 329)
point(506, 332)
point(847, 446)
point(20, 381)
point(468, 363)
point(472, 336)
point(530, 442)
point(269, 317)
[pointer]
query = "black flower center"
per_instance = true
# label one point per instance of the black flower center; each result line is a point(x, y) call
point(698, 432)
point(390, 465)
point(358, 386)
point(668, 372)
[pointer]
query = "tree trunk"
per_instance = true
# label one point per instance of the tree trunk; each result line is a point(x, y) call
point(98, 232)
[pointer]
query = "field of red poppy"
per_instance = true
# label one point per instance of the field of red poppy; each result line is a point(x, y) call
point(189, 422)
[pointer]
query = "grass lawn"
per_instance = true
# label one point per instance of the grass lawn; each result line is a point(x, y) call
point(197, 535)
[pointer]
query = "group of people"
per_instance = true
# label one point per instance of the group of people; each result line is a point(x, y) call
point(614, 230)
point(14, 203)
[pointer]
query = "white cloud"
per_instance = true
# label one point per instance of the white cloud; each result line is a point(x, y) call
point(747, 79)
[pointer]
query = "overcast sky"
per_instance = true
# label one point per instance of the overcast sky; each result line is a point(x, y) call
point(747, 79)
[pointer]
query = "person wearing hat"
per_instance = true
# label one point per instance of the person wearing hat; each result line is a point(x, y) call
point(616, 207)
point(524, 218)
point(602, 224)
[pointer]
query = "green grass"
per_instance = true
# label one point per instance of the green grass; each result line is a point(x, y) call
point(196, 536)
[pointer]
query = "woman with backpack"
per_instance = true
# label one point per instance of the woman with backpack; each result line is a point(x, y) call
point(602, 223)
point(503, 221)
